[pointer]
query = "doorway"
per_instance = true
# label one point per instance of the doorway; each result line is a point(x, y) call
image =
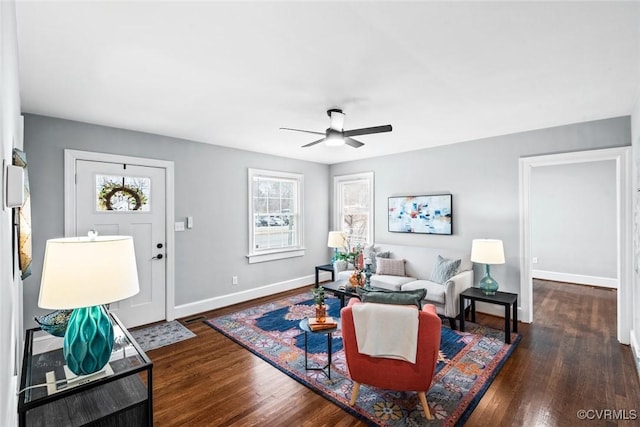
point(622, 158)
point(127, 196)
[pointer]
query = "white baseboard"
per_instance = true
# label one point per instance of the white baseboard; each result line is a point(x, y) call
point(635, 349)
point(579, 279)
point(197, 307)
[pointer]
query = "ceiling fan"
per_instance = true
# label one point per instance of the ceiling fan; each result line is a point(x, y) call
point(335, 135)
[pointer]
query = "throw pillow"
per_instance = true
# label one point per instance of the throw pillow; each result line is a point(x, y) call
point(390, 267)
point(444, 270)
point(413, 297)
point(374, 262)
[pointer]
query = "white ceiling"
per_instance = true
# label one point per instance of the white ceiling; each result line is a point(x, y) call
point(232, 73)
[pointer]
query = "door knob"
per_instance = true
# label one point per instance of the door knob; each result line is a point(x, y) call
point(159, 256)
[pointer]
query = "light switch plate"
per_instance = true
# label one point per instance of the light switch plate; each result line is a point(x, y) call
point(189, 222)
point(178, 226)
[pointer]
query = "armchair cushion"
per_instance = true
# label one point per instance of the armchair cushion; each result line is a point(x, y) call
point(410, 297)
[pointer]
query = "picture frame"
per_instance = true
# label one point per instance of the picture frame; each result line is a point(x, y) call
point(424, 214)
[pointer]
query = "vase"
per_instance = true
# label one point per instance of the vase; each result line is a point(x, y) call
point(487, 284)
point(321, 313)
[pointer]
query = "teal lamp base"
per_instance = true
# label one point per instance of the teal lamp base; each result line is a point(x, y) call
point(88, 340)
point(488, 286)
point(335, 256)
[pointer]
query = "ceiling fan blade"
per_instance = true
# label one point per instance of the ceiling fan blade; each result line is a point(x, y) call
point(302, 130)
point(367, 131)
point(313, 143)
point(353, 143)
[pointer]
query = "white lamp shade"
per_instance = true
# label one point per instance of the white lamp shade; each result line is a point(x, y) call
point(487, 251)
point(337, 239)
point(83, 272)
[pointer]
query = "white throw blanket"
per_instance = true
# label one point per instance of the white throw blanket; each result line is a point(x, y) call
point(385, 330)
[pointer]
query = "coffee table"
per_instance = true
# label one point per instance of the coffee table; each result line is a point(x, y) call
point(339, 289)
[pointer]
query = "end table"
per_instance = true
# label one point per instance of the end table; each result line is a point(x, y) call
point(123, 397)
point(324, 267)
point(304, 325)
point(506, 299)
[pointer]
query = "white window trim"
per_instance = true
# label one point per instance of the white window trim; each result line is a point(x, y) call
point(283, 253)
point(337, 197)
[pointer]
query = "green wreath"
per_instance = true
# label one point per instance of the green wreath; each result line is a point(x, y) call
point(135, 195)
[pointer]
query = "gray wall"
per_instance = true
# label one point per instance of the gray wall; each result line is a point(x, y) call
point(574, 219)
point(210, 185)
point(482, 175)
point(10, 284)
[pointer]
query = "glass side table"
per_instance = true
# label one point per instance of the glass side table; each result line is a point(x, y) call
point(120, 395)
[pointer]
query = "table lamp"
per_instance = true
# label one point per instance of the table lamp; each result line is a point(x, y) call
point(337, 239)
point(83, 273)
point(488, 252)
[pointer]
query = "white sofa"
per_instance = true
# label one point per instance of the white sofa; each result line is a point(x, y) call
point(419, 264)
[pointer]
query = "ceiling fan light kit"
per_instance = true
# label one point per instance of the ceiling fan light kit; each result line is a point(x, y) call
point(335, 135)
point(334, 138)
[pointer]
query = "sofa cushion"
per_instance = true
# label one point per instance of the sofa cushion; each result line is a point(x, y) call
point(390, 282)
point(412, 297)
point(435, 291)
point(390, 267)
point(444, 269)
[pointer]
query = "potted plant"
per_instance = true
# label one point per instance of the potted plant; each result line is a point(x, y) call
point(318, 299)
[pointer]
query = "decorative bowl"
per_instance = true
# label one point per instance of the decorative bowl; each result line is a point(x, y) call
point(55, 322)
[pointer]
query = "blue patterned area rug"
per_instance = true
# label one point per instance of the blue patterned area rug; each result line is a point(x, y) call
point(162, 334)
point(468, 363)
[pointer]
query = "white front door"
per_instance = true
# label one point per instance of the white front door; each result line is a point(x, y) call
point(124, 199)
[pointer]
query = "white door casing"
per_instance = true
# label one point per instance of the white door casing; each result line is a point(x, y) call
point(149, 229)
point(622, 157)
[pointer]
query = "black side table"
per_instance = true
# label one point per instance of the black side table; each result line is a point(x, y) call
point(506, 299)
point(304, 325)
point(325, 267)
point(124, 397)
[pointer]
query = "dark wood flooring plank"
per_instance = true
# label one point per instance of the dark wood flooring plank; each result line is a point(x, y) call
point(568, 359)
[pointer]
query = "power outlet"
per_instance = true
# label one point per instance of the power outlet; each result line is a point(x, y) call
point(534, 260)
point(234, 280)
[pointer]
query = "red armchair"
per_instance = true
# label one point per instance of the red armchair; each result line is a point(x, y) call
point(394, 374)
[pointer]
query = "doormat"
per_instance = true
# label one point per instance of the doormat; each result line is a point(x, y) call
point(468, 363)
point(157, 336)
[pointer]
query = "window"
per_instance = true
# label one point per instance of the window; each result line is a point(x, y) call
point(353, 203)
point(275, 215)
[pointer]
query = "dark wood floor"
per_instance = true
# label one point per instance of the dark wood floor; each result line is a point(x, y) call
point(568, 360)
